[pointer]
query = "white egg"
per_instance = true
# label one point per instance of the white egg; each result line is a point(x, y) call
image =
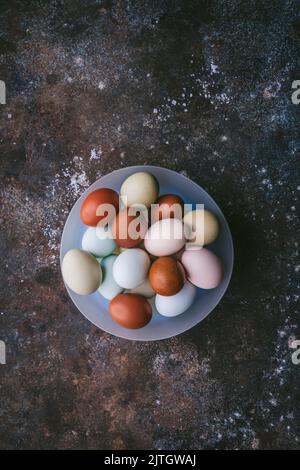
point(131, 268)
point(165, 237)
point(144, 289)
point(174, 305)
point(81, 272)
point(98, 241)
point(109, 288)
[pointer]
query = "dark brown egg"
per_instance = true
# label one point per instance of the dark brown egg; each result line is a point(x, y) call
point(166, 276)
point(129, 227)
point(99, 207)
point(130, 310)
point(169, 206)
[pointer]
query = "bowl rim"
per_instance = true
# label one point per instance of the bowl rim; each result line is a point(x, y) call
point(139, 168)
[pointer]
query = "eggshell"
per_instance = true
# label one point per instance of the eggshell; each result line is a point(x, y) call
point(139, 189)
point(168, 206)
point(81, 272)
point(129, 227)
point(174, 305)
point(203, 268)
point(109, 288)
point(201, 227)
point(98, 241)
point(166, 276)
point(165, 237)
point(131, 268)
point(99, 206)
point(130, 310)
point(144, 289)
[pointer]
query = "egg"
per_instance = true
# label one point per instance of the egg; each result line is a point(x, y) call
point(130, 227)
point(98, 241)
point(81, 272)
point(203, 268)
point(166, 276)
point(139, 189)
point(174, 305)
point(144, 289)
point(99, 207)
point(130, 311)
point(109, 288)
point(201, 227)
point(116, 251)
point(151, 301)
point(165, 237)
point(131, 268)
point(169, 206)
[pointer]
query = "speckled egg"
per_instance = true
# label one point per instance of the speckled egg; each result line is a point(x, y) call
point(130, 311)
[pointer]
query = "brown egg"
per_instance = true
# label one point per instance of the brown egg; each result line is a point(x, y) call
point(166, 276)
point(130, 310)
point(129, 227)
point(169, 206)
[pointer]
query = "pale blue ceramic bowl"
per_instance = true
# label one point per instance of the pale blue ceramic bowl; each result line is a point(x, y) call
point(95, 308)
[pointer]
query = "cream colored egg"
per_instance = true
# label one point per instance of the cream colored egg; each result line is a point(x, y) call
point(165, 237)
point(81, 272)
point(201, 227)
point(109, 288)
point(144, 289)
point(139, 189)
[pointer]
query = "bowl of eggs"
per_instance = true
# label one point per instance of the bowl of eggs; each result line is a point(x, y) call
point(146, 253)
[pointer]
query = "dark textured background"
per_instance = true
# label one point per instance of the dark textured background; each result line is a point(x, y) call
point(201, 87)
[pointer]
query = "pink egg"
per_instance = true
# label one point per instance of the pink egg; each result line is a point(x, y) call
point(203, 268)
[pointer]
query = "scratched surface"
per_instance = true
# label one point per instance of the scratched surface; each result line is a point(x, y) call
point(203, 88)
